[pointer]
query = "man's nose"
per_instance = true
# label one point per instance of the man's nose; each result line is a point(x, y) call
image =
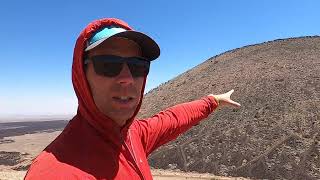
point(125, 76)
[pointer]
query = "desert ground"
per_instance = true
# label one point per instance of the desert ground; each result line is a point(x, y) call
point(17, 152)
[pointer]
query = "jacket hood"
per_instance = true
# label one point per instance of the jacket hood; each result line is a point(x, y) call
point(87, 109)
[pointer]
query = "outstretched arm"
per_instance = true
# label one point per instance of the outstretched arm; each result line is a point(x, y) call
point(168, 124)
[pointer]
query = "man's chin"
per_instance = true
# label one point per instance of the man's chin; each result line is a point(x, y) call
point(121, 122)
point(120, 119)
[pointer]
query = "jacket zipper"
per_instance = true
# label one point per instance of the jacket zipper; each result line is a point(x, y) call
point(132, 156)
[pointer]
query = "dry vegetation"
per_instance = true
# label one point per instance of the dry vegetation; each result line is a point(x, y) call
point(275, 134)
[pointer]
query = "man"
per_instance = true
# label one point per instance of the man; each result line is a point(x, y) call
point(104, 140)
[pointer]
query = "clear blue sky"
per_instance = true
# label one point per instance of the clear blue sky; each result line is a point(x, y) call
point(38, 38)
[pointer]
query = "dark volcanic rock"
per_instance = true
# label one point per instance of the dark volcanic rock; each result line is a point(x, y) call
point(8, 129)
point(276, 132)
point(10, 158)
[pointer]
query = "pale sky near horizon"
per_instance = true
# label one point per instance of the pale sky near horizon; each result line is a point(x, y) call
point(38, 38)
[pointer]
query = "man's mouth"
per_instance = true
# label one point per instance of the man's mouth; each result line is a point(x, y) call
point(123, 99)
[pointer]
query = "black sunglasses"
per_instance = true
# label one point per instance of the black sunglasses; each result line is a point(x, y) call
point(111, 66)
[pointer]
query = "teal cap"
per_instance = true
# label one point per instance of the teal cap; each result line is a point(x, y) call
point(150, 49)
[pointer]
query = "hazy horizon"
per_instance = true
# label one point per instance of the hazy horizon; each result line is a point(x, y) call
point(34, 117)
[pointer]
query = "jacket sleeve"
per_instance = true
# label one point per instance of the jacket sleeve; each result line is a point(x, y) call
point(168, 124)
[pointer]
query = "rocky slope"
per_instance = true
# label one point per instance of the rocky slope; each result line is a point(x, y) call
point(276, 132)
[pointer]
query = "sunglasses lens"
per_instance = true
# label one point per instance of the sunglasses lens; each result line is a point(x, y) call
point(138, 70)
point(106, 68)
point(110, 69)
point(111, 66)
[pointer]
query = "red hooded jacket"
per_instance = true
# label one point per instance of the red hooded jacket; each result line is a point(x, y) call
point(92, 146)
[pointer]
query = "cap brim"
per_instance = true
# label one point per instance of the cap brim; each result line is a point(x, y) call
point(150, 49)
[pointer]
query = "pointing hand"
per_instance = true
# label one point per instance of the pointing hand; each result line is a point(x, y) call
point(225, 100)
